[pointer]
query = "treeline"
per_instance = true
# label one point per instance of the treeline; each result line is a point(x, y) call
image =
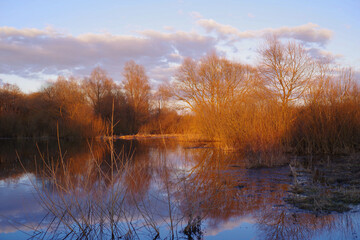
point(89, 107)
point(290, 101)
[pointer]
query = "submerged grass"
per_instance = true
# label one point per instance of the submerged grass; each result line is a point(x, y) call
point(325, 187)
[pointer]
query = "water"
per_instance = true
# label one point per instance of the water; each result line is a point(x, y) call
point(151, 189)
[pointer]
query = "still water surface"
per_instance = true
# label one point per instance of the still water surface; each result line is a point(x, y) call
point(151, 189)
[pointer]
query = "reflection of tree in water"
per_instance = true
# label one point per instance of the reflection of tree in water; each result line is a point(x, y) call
point(160, 190)
point(277, 223)
point(30, 153)
point(253, 192)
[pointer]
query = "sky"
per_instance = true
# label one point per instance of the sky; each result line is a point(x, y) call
point(41, 39)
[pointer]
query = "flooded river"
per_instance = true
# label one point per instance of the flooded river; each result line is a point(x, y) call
point(151, 189)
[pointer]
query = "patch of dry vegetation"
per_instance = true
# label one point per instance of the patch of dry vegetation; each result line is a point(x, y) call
point(325, 187)
point(290, 102)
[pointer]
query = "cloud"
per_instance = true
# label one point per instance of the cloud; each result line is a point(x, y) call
point(24, 52)
point(324, 55)
point(211, 25)
point(308, 33)
point(162, 74)
point(28, 32)
point(195, 15)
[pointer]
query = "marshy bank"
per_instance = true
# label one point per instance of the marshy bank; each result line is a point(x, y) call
point(325, 184)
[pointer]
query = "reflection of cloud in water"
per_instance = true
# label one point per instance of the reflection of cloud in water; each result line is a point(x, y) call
point(18, 205)
point(228, 225)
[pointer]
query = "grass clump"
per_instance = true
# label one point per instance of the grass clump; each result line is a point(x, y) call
point(325, 187)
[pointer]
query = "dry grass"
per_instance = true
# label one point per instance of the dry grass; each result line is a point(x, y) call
point(325, 186)
point(289, 103)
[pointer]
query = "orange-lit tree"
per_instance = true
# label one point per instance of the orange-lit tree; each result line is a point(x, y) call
point(137, 92)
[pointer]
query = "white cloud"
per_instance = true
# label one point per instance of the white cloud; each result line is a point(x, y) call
point(195, 15)
point(28, 32)
point(27, 51)
point(211, 25)
point(162, 74)
point(308, 33)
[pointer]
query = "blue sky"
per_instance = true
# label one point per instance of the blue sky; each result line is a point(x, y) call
point(41, 39)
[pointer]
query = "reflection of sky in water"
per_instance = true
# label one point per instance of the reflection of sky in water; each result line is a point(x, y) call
point(240, 230)
point(19, 208)
point(260, 193)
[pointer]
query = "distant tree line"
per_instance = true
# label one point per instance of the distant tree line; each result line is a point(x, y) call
point(89, 107)
point(289, 101)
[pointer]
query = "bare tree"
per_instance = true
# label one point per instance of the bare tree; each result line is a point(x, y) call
point(162, 96)
point(137, 92)
point(9, 96)
point(63, 103)
point(213, 88)
point(97, 86)
point(213, 82)
point(287, 69)
point(65, 94)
